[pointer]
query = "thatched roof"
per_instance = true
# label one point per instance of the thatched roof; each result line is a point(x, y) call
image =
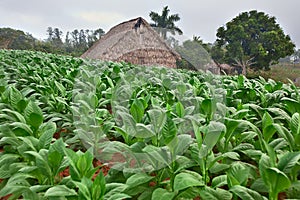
point(133, 41)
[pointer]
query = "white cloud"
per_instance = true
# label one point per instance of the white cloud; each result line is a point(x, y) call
point(100, 18)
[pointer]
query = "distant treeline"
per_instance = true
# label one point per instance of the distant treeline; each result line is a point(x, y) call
point(74, 43)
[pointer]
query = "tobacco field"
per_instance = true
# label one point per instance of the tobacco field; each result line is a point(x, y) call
point(80, 129)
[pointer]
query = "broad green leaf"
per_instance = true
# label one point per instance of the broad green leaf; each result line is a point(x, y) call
point(246, 193)
point(15, 97)
point(212, 134)
point(129, 123)
point(24, 127)
point(295, 127)
point(169, 131)
point(286, 134)
point(83, 188)
point(277, 180)
point(237, 174)
point(267, 120)
point(33, 114)
point(180, 144)
point(138, 179)
point(143, 131)
point(98, 187)
point(61, 88)
point(208, 106)
point(264, 164)
point(268, 132)
point(137, 110)
point(186, 180)
point(39, 188)
point(119, 196)
point(19, 117)
point(288, 161)
point(219, 181)
point(180, 110)
point(46, 132)
point(218, 194)
point(295, 124)
point(162, 194)
point(42, 162)
point(73, 159)
point(60, 191)
point(158, 118)
point(259, 186)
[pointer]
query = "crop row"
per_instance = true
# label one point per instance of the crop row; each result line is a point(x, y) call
point(163, 133)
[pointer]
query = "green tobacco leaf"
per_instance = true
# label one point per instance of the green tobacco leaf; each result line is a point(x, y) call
point(180, 110)
point(186, 180)
point(119, 196)
point(16, 184)
point(83, 187)
point(143, 131)
point(61, 88)
point(138, 179)
point(180, 144)
point(286, 134)
point(218, 194)
point(295, 124)
point(42, 162)
point(259, 186)
point(15, 97)
point(292, 105)
point(208, 106)
point(212, 135)
point(267, 120)
point(60, 191)
point(98, 187)
point(295, 127)
point(237, 174)
point(129, 123)
point(277, 180)
point(288, 161)
point(268, 132)
point(46, 131)
point(19, 117)
point(73, 158)
point(137, 110)
point(246, 194)
point(162, 194)
point(39, 188)
point(33, 115)
point(264, 163)
point(23, 127)
point(169, 131)
point(58, 146)
point(219, 181)
point(158, 118)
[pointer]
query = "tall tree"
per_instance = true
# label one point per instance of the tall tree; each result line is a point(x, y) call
point(49, 33)
point(253, 39)
point(165, 22)
point(57, 37)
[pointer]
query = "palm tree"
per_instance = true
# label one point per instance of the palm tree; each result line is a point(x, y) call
point(165, 23)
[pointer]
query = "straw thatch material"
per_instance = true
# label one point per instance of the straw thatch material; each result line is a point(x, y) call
point(134, 41)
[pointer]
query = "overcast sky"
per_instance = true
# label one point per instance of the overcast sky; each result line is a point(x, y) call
point(198, 17)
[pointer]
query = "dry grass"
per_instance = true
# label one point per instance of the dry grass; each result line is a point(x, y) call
point(280, 72)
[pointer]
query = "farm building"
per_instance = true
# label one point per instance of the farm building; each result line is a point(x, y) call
point(133, 41)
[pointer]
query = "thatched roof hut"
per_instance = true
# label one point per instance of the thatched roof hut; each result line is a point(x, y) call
point(133, 41)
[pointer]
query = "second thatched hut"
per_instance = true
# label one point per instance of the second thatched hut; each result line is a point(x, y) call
point(133, 41)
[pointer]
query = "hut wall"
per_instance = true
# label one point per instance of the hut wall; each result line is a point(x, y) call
point(155, 57)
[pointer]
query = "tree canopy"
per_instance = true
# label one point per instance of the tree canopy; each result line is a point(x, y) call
point(252, 39)
point(75, 43)
point(165, 22)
